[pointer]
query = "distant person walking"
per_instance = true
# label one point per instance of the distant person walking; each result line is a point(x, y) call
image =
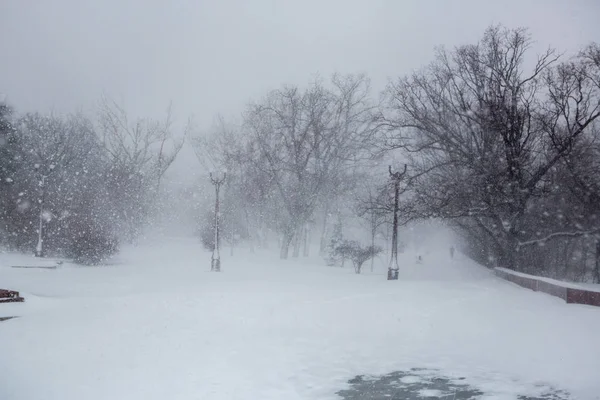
point(451, 251)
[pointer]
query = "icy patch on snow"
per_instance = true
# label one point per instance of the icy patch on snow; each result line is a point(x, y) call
point(410, 379)
point(430, 393)
point(418, 383)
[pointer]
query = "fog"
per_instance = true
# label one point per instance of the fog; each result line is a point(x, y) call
point(299, 199)
point(128, 61)
point(210, 57)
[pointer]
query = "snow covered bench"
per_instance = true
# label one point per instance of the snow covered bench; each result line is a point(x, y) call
point(10, 296)
point(570, 292)
point(43, 264)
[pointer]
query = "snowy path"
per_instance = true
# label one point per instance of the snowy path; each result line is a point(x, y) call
point(160, 326)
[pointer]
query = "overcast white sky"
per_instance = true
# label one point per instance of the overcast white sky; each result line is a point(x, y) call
point(210, 57)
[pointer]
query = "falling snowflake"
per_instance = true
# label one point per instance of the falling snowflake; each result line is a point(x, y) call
point(23, 206)
point(47, 216)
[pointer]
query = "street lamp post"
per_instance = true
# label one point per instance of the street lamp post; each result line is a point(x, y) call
point(215, 264)
point(394, 268)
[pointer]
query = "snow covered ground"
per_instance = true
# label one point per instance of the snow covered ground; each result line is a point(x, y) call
point(158, 325)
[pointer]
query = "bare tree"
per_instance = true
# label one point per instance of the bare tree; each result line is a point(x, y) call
point(358, 254)
point(249, 186)
point(306, 138)
point(368, 208)
point(142, 145)
point(140, 153)
point(577, 89)
point(482, 133)
point(571, 119)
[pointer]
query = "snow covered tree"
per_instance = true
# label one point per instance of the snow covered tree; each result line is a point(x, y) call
point(68, 190)
point(354, 251)
point(7, 140)
point(8, 167)
point(360, 254)
point(57, 190)
point(51, 149)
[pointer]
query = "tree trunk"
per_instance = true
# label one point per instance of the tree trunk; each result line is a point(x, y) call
point(286, 240)
point(373, 247)
point(508, 254)
point(251, 235)
point(583, 260)
point(263, 239)
point(305, 237)
point(39, 248)
point(297, 243)
point(506, 259)
point(323, 242)
point(596, 278)
point(215, 264)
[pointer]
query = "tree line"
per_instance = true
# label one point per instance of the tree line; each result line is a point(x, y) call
point(498, 142)
point(75, 187)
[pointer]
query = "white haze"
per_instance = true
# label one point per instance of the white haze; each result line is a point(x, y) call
point(212, 57)
point(123, 305)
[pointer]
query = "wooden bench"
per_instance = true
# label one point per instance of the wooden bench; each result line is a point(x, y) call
point(10, 296)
